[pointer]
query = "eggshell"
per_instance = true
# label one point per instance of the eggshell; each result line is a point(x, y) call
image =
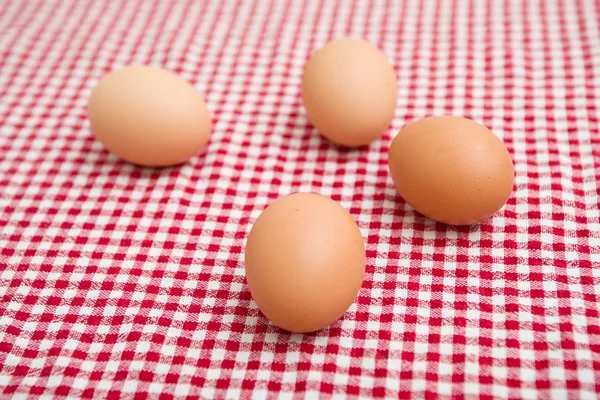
point(451, 169)
point(349, 92)
point(305, 262)
point(149, 116)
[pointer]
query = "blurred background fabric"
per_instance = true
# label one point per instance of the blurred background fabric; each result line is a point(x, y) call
point(124, 282)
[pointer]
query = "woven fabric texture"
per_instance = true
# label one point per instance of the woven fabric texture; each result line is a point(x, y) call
point(124, 282)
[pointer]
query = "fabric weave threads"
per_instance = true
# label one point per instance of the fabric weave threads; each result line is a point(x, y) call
point(119, 281)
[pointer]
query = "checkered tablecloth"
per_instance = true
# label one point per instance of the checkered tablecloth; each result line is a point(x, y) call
point(125, 282)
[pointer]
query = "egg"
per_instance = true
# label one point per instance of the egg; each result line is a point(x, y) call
point(304, 262)
point(349, 92)
point(451, 169)
point(148, 116)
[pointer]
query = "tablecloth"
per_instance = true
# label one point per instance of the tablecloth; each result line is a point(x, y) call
point(126, 282)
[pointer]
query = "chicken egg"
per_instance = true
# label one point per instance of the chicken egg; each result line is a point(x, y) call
point(304, 262)
point(349, 92)
point(148, 116)
point(451, 169)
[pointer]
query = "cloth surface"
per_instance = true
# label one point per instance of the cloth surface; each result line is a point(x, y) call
point(127, 282)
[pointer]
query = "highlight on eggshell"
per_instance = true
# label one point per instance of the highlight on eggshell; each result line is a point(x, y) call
point(149, 116)
point(349, 91)
point(451, 169)
point(304, 261)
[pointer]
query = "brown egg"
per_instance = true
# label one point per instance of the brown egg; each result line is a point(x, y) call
point(451, 169)
point(149, 116)
point(349, 92)
point(305, 262)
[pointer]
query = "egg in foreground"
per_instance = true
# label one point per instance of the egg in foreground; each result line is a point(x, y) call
point(305, 262)
point(149, 116)
point(349, 92)
point(451, 169)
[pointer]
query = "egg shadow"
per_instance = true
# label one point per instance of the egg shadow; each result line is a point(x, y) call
point(421, 223)
point(302, 129)
point(258, 323)
point(109, 164)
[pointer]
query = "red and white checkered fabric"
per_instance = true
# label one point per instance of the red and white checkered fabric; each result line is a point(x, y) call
point(119, 281)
